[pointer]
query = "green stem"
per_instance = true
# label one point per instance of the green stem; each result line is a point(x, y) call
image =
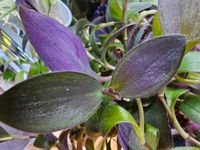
point(124, 12)
point(141, 113)
point(104, 47)
point(146, 13)
point(16, 138)
point(187, 81)
point(178, 127)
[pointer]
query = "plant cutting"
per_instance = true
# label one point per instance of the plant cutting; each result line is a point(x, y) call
point(121, 86)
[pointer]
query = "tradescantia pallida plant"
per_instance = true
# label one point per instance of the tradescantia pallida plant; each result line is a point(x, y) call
point(72, 94)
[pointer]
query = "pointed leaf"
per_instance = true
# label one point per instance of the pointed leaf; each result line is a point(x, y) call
point(58, 47)
point(50, 102)
point(182, 17)
point(148, 67)
point(191, 107)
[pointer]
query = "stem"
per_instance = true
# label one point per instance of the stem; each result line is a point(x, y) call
point(141, 113)
point(146, 13)
point(187, 81)
point(104, 25)
point(104, 47)
point(16, 138)
point(178, 127)
point(124, 12)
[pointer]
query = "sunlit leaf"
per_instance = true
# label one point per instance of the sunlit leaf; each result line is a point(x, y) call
point(50, 102)
point(191, 107)
point(148, 67)
point(190, 63)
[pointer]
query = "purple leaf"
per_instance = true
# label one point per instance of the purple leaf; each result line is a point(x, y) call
point(58, 47)
point(127, 138)
point(148, 67)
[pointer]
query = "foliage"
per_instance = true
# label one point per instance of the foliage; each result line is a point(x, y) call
point(127, 72)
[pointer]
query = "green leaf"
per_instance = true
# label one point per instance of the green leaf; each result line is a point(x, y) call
point(50, 102)
point(151, 136)
point(8, 75)
point(42, 142)
point(181, 17)
point(172, 95)
point(190, 63)
point(34, 69)
point(185, 148)
point(113, 115)
point(148, 67)
point(191, 107)
point(20, 76)
point(115, 9)
point(156, 116)
point(157, 30)
point(4, 135)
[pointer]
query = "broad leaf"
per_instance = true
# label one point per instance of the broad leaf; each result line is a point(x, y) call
point(172, 95)
point(190, 63)
point(181, 16)
point(191, 107)
point(50, 102)
point(156, 116)
point(113, 115)
point(57, 46)
point(148, 67)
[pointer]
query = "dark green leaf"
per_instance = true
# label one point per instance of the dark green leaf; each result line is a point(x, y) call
point(191, 107)
point(190, 63)
point(156, 116)
point(50, 102)
point(42, 142)
point(182, 17)
point(148, 67)
point(151, 136)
